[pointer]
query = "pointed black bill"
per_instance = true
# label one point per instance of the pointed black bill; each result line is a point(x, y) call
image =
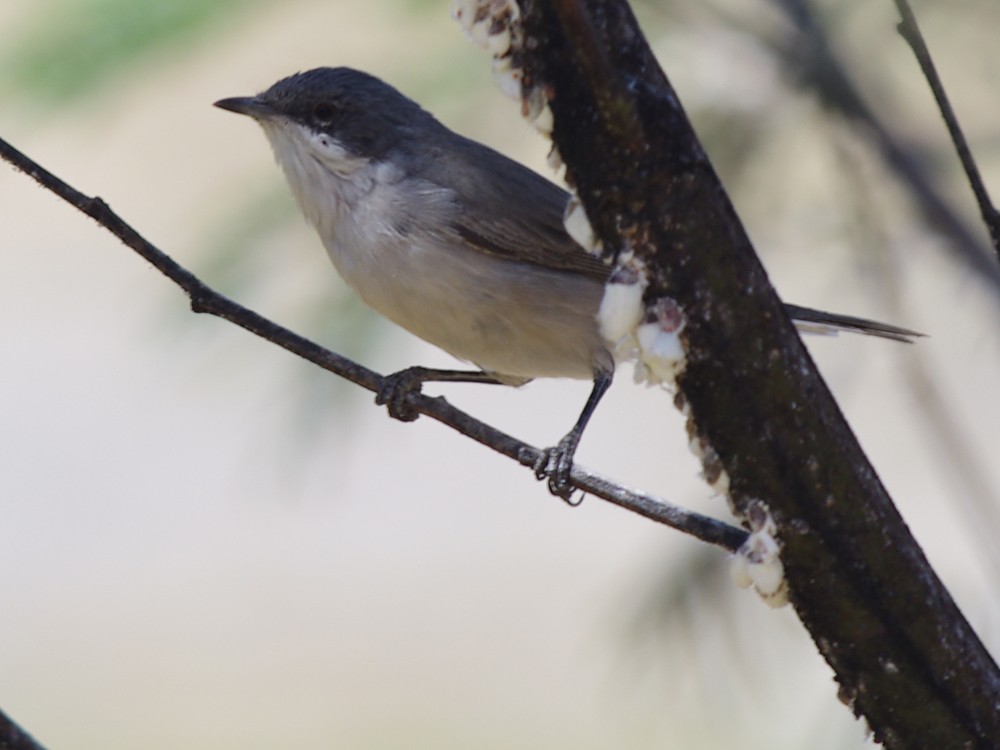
point(251, 106)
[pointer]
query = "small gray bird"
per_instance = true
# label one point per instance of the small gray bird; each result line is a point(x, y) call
point(451, 240)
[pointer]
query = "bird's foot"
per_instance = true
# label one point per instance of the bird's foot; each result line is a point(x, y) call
point(555, 465)
point(396, 391)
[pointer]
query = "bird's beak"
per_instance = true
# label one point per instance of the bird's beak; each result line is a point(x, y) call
point(247, 105)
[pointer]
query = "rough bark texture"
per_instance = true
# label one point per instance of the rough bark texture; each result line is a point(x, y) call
point(905, 657)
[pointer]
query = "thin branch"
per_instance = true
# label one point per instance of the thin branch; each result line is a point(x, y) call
point(910, 31)
point(206, 300)
point(811, 56)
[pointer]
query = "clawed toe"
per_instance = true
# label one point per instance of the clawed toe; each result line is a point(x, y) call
point(395, 394)
point(555, 465)
point(398, 388)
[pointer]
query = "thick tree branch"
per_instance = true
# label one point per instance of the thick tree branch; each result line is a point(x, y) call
point(207, 300)
point(909, 30)
point(905, 657)
point(807, 53)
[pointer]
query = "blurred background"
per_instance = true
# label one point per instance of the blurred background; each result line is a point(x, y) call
point(207, 543)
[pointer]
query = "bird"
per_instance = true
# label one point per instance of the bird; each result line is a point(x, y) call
point(458, 244)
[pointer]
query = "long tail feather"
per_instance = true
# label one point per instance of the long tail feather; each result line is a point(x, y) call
point(817, 321)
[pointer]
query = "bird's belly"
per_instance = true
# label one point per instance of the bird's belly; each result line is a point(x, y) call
point(512, 319)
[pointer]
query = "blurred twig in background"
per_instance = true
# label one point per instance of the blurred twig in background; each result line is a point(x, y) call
point(911, 33)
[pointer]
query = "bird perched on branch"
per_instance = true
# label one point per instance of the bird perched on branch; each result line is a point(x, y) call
point(453, 241)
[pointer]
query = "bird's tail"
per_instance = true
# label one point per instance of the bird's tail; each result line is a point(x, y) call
point(817, 321)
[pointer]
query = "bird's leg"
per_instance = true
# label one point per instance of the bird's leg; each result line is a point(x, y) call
point(556, 463)
point(399, 386)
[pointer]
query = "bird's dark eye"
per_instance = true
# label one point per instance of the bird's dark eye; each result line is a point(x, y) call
point(323, 113)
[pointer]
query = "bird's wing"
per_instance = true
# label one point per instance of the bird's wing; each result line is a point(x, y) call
point(507, 210)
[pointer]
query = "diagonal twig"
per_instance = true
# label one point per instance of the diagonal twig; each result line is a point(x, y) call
point(910, 31)
point(206, 300)
point(811, 54)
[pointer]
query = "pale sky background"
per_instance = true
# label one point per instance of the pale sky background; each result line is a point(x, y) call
point(204, 545)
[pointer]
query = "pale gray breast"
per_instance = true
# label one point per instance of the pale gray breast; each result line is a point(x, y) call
point(404, 250)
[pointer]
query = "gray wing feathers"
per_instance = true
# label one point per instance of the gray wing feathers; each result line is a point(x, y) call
point(510, 211)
